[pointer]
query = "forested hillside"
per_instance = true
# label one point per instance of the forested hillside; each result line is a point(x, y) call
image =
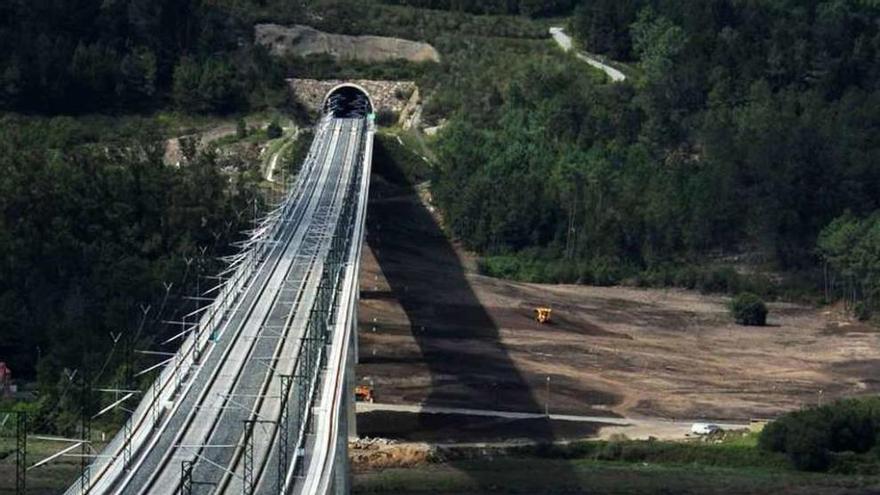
point(750, 127)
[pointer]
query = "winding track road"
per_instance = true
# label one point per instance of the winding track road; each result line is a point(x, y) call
point(564, 41)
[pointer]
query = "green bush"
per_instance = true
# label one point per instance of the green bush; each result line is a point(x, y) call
point(273, 130)
point(749, 309)
point(241, 130)
point(386, 117)
point(841, 437)
point(862, 311)
point(297, 153)
point(723, 279)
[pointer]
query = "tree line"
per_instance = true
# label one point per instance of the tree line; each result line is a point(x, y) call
point(532, 8)
point(849, 248)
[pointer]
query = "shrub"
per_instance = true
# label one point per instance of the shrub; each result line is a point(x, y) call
point(723, 279)
point(807, 447)
point(273, 130)
point(386, 117)
point(841, 437)
point(749, 309)
point(241, 129)
point(862, 311)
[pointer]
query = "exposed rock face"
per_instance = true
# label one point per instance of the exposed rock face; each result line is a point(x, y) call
point(303, 40)
point(399, 97)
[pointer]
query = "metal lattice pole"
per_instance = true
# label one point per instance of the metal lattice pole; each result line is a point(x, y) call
point(85, 430)
point(301, 383)
point(284, 432)
point(21, 453)
point(186, 472)
point(247, 486)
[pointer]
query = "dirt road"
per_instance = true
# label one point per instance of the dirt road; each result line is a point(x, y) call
point(634, 428)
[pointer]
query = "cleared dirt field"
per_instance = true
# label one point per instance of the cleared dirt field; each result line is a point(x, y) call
point(433, 331)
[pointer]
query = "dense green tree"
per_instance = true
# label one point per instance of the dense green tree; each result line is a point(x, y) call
point(274, 130)
point(187, 77)
point(604, 26)
point(850, 248)
point(219, 89)
point(136, 85)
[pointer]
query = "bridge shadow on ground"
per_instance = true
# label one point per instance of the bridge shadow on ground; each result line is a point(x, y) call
point(426, 338)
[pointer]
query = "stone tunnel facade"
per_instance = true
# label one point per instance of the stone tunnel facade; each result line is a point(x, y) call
point(395, 96)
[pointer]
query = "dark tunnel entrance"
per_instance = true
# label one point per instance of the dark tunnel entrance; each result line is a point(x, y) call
point(348, 101)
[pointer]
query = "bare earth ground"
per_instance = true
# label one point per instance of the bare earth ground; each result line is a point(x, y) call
point(432, 331)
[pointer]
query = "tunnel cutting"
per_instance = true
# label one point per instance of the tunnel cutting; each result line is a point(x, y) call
point(348, 101)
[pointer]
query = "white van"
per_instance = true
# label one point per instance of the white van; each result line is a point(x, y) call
point(704, 428)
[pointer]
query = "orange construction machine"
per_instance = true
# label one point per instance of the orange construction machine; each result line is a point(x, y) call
point(542, 315)
point(363, 393)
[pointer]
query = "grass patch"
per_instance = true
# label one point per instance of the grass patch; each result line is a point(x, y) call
point(730, 463)
point(395, 160)
point(296, 153)
point(733, 465)
point(739, 452)
point(49, 479)
point(521, 475)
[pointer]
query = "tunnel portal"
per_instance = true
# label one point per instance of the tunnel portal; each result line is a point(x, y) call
point(348, 101)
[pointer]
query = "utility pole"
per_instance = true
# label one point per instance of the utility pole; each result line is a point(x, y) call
point(85, 429)
point(20, 450)
point(547, 399)
point(21, 454)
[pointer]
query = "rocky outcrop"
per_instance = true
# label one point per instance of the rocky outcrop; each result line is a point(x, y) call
point(301, 41)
